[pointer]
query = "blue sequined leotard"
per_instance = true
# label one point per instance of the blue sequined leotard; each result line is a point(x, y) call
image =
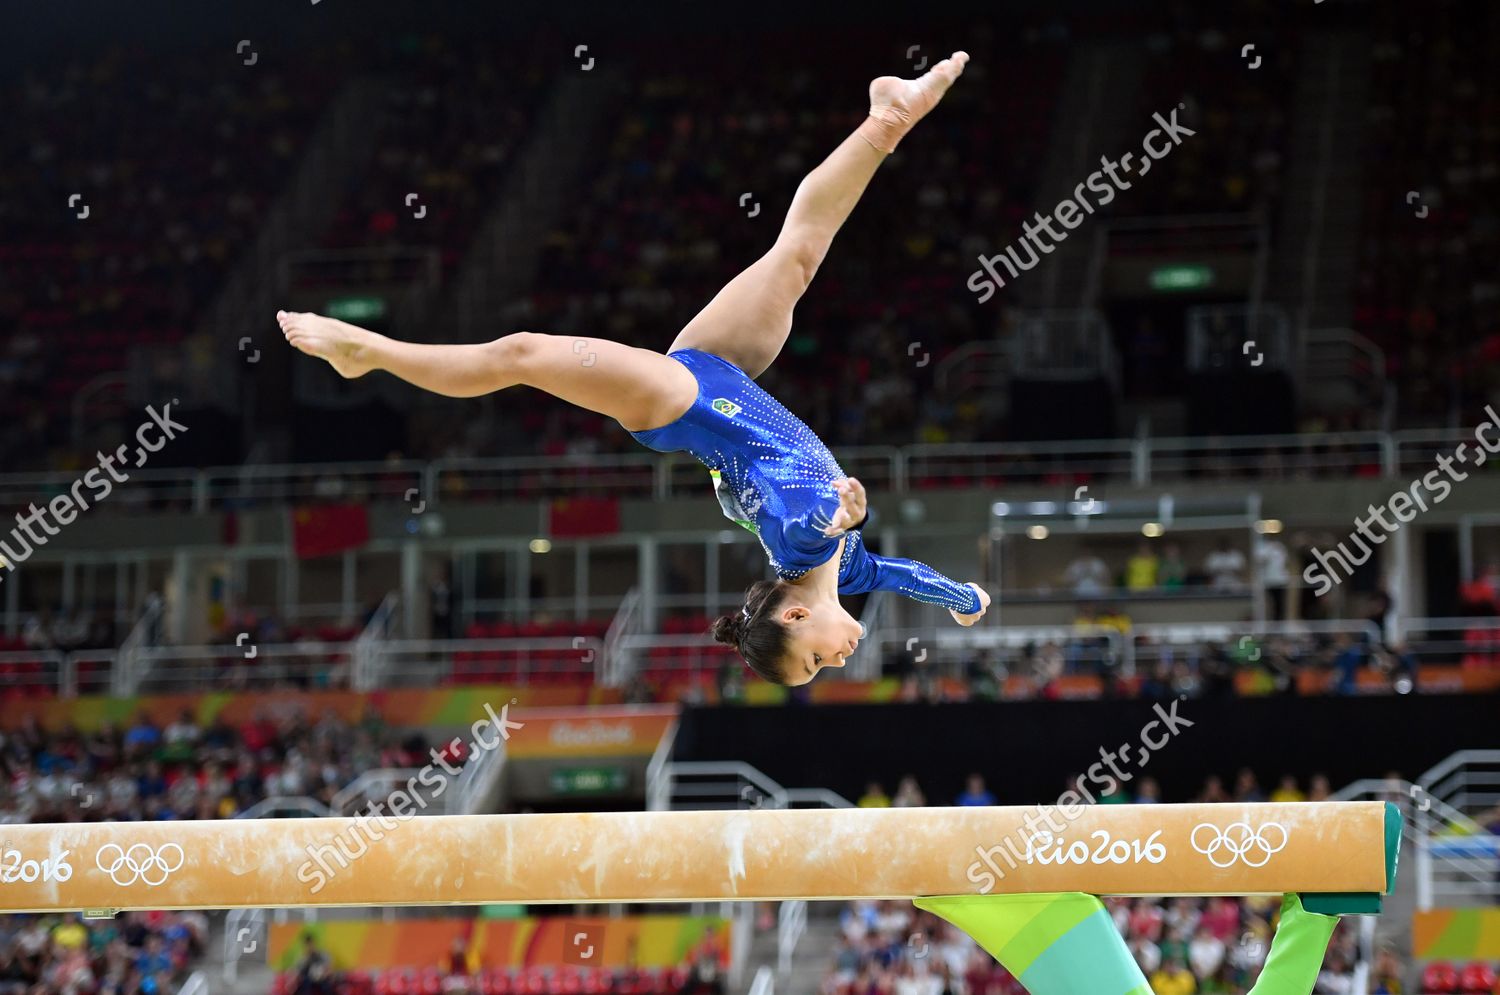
point(775, 477)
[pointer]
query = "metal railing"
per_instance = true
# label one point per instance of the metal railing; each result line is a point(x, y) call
point(367, 673)
point(287, 806)
point(791, 923)
point(423, 662)
point(1090, 646)
point(1469, 781)
point(308, 664)
point(735, 785)
point(614, 659)
point(130, 665)
point(626, 621)
point(1455, 859)
point(478, 780)
point(1330, 455)
point(764, 982)
point(1452, 640)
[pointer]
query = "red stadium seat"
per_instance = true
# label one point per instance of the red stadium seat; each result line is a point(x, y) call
point(1439, 978)
point(1477, 978)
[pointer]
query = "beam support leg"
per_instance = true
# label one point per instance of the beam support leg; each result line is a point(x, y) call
point(1058, 944)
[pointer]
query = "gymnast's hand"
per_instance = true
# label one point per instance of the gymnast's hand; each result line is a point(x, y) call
point(984, 605)
point(851, 506)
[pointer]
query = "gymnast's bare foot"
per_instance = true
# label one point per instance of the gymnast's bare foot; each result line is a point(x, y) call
point(896, 104)
point(345, 346)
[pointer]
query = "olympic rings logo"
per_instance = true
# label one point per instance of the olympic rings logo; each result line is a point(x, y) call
point(139, 863)
point(1239, 842)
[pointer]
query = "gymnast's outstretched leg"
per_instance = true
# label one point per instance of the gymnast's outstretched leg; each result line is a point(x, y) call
point(748, 321)
point(639, 388)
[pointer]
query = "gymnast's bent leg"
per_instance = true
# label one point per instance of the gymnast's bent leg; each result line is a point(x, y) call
point(639, 388)
point(748, 321)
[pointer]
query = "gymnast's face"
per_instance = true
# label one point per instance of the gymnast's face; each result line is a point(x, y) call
point(819, 634)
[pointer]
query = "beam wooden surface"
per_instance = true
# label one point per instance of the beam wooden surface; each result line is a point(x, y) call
point(1229, 849)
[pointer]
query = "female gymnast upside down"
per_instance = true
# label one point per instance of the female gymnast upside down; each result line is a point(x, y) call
point(772, 474)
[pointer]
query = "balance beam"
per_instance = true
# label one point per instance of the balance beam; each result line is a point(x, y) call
point(1226, 849)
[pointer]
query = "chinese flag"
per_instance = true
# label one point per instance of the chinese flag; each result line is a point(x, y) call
point(323, 529)
point(587, 516)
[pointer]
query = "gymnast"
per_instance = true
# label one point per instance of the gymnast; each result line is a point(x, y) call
point(771, 473)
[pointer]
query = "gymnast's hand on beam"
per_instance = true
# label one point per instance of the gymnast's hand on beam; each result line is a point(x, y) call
point(851, 506)
point(984, 606)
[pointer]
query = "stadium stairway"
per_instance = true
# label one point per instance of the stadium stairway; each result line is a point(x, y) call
point(1096, 115)
point(502, 261)
point(811, 957)
point(341, 141)
point(1314, 267)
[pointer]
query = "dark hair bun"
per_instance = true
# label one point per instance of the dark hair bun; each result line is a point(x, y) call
point(728, 629)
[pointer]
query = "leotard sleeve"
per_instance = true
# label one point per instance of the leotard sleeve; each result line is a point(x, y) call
point(867, 572)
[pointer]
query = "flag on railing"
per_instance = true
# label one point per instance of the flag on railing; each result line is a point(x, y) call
point(583, 516)
point(324, 529)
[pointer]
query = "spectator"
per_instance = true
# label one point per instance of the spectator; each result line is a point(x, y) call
point(1173, 979)
point(143, 735)
point(314, 975)
point(154, 960)
point(1246, 787)
point(1397, 664)
point(1271, 558)
point(1147, 792)
point(909, 794)
point(1146, 919)
point(1221, 918)
point(1141, 569)
point(874, 796)
point(1318, 788)
point(1225, 567)
point(184, 731)
point(152, 783)
point(1087, 575)
point(1206, 953)
point(975, 792)
point(1171, 573)
point(1385, 978)
point(1336, 978)
point(1213, 790)
point(1287, 790)
point(1349, 657)
point(710, 945)
point(1146, 953)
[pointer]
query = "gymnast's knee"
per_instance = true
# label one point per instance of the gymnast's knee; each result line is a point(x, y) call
point(805, 254)
point(517, 354)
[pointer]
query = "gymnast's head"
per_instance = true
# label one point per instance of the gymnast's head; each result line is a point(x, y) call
point(787, 633)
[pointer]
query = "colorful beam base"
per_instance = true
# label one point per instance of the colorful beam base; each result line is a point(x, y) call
point(1064, 944)
point(1332, 848)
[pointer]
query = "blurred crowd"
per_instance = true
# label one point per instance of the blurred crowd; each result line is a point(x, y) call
point(135, 953)
point(178, 173)
point(130, 183)
point(1427, 291)
point(190, 770)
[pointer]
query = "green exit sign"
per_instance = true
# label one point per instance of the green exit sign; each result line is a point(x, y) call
point(355, 308)
point(1181, 277)
point(589, 780)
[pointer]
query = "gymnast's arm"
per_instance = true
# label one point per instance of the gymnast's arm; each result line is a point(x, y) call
point(868, 572)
